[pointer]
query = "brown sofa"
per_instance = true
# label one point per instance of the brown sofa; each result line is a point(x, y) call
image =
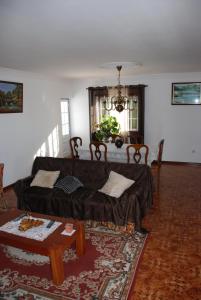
point(87, 203)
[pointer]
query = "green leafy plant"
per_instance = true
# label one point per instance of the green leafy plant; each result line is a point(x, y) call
point(108, 127)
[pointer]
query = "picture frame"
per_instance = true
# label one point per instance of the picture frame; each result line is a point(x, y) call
point(186, 93)
point(11, 97)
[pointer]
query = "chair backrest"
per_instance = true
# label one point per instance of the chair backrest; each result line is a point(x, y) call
point(74, 146)
point(140, 153)
point(1, 178)
point(135, 137)
point(98, 150)
point(160, 152)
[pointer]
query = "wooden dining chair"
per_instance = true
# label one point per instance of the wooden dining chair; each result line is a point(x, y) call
point(157, 167)
point(98, 150)
point(160, 153)
point(139, 153)
point(74, 146)
point(135, 137)
point(1, 186)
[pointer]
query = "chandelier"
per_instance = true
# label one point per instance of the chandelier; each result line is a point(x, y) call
point(120, 102)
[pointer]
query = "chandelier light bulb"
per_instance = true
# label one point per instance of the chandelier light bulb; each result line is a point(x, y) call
point(119, 102)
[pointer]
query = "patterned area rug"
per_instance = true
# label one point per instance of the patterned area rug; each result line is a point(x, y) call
point(105, 272)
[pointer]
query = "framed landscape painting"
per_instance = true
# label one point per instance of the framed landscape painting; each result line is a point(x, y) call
point(186, 93)
point(11, 97)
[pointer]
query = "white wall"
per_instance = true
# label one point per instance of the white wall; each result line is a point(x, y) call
point(23, 134)
point(178, 124)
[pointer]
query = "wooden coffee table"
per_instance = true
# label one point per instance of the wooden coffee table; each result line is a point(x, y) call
point(53, 246)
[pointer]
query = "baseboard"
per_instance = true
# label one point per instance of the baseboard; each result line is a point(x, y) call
point(167, 162)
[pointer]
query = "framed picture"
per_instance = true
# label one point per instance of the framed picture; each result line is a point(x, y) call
point(11, 97)
point(186, 93)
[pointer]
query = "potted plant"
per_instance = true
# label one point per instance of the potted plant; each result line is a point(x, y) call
point(107, 128)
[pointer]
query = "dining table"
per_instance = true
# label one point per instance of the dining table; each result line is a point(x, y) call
point(115, 154)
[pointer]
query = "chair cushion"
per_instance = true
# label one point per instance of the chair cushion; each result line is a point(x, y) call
point(68, 184)
point(116, 185)
point(45, 178)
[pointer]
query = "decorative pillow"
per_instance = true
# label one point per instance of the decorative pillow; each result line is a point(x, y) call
point(116, 185)
point(45, 178)
point(68, 184)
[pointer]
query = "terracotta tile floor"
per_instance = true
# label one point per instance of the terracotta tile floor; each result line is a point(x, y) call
point(170, 268)
point(171, 265)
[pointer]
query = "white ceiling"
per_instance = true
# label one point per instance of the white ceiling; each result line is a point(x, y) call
point(74, 38)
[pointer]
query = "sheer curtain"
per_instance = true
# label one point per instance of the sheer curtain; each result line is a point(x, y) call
point(95, 112)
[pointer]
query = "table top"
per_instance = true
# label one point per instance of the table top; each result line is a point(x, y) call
point(54, 240)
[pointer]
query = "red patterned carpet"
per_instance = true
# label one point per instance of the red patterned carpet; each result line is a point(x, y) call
point(106, 271)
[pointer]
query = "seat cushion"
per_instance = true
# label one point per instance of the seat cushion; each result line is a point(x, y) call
point(38, 199)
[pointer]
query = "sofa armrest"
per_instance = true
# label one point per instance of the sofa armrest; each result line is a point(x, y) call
point(19, 187)
point(140, 199)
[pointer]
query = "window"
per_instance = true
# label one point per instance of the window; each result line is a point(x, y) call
point(130, 121)
point(65, 117)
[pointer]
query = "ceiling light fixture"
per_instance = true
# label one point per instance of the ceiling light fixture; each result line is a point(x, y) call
point(120, 102)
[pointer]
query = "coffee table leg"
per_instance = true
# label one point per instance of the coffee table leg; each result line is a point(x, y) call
point(57, 266)
point(80, 240)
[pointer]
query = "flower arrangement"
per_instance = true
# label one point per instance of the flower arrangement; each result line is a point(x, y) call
point(108, 127)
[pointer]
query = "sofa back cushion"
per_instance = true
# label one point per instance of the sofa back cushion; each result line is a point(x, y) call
point(93, 174)
point(131, 171)
point(64, 165)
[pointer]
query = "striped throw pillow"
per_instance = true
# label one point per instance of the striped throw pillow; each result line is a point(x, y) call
point(68, 184)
